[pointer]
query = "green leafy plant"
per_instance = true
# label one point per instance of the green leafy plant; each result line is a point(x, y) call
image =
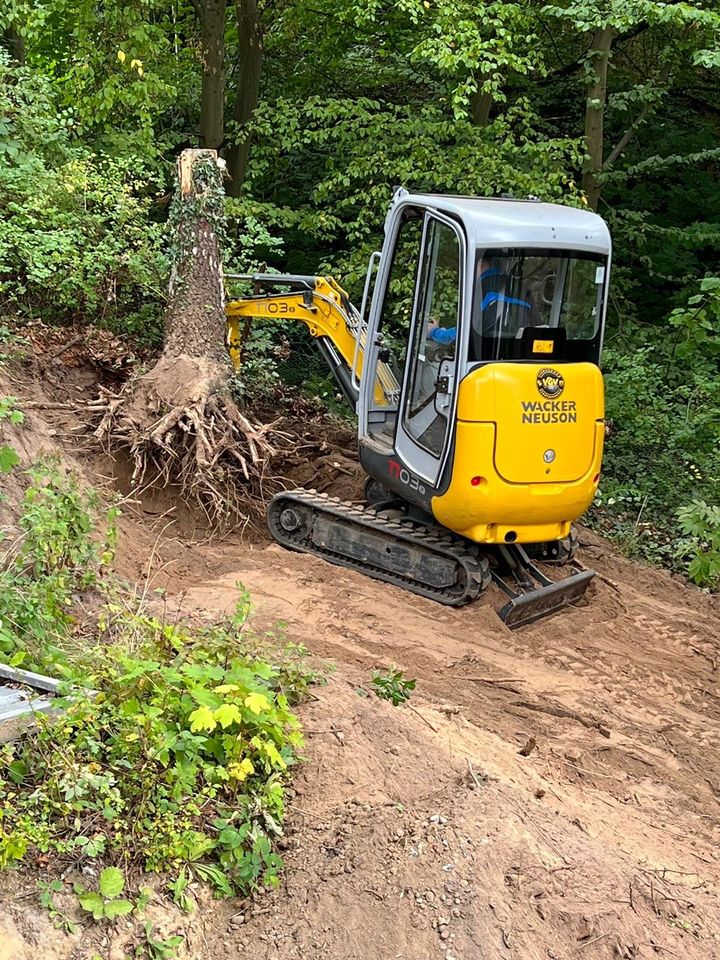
point(12, 344)
point(47, 900)
point(701, 522)
point(393, 686)
point(155, 948)
point(189, 736)
point(9, 411)
point(663, 450)
point(106, 902)
point(178, 888)
point(59, 551)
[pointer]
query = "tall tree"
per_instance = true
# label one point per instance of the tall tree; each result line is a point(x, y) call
point(599, 58)
point(249, 69)
point(178, 420)
point(604, 26)
point(211, 14)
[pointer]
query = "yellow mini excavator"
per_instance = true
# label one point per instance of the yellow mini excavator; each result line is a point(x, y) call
point(473, 365)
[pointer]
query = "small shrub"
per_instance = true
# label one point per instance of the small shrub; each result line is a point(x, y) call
point(701, 523)
point(47, 900)
point(663, 451)
point(12, 344)
point(393, 686)
point(154, 948)
point(12, 414)
point(177, 763)
point(105, 903)
point(57, 553)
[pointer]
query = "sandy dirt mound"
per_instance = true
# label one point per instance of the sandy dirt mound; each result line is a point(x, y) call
point(546, 793)
point(603, 839)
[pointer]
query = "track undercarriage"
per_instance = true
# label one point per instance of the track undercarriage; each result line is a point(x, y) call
point(382, 541)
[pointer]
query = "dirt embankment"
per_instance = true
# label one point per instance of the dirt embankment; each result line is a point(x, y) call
point(547, 793)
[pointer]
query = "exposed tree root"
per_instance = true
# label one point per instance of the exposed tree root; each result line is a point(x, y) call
point(181, 427)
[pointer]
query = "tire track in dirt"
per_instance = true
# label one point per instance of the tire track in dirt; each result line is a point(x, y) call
point(639, 667)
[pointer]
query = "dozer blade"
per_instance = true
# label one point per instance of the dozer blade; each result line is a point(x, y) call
point(532, 595)
point(544, 601)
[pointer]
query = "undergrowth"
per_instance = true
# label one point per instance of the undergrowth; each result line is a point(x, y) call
point(174, 748)
point(55, 554)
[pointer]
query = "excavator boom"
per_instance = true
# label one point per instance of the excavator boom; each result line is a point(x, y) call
point(325, 309)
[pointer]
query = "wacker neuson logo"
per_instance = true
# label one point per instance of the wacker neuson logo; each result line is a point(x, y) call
point(549, 411)
point(550, 383)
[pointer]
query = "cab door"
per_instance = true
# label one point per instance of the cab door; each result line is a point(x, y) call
point(427, 406)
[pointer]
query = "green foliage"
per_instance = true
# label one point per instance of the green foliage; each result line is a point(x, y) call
point(701, 522)
point(156, 949)
point(178, 889)
point(105, 903)
point(8, 458)
point(76, 238)
point(259, 375)
point(47, 900)
point(176, 760)
point(56, 554)
point(663, 453)
point(9, 411)
point(12, 345)
point(358, 148)
point(393, 686)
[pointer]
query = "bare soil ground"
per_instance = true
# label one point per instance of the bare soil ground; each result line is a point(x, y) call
point(546, 793)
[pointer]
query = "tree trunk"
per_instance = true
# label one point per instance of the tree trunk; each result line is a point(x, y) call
point(481, 105)
point(195, 315)
point(178, 420)
point(250, 58)
point(595, 114)
point(212, 51)
point(14, 43)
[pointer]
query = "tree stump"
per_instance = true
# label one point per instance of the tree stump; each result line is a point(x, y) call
point(178, 420)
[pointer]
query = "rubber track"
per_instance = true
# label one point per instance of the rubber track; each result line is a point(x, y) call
point(473, 567)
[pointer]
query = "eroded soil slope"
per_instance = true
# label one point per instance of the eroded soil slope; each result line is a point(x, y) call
point(546, 793)
point(427, 831)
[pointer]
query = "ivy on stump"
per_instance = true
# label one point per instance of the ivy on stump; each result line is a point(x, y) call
point(178, 420)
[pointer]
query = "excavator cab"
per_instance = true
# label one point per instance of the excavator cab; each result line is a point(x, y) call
point(495, 311)
point(473, 364)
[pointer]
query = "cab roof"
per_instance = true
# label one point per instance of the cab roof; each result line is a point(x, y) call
point(500, 222)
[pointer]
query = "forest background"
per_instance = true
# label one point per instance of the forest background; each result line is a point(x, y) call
point(319, 109)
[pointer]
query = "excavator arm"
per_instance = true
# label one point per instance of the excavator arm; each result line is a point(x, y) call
point(324, 307)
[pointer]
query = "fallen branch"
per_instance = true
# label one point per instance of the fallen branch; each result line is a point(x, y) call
point(425, 719)
point(564, 712)
point(493, 680)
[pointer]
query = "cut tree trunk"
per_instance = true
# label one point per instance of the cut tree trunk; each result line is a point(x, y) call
point(178, 420)
point(250, 59)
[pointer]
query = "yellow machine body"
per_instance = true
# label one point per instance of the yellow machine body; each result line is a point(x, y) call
point(523, 466)
point(473, 366)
